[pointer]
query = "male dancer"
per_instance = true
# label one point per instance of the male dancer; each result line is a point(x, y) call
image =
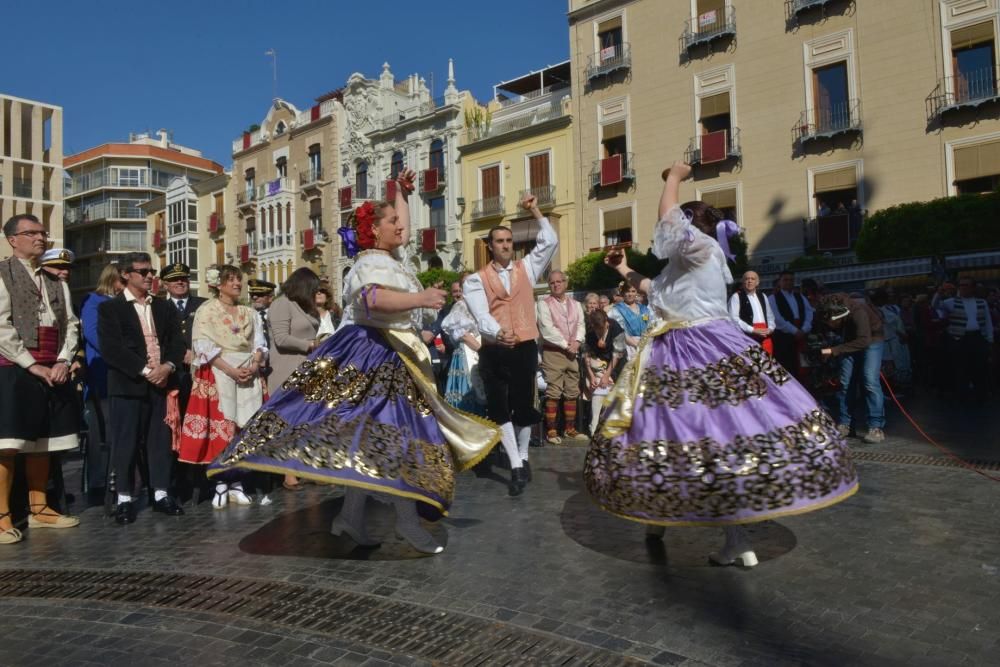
point(501, 298)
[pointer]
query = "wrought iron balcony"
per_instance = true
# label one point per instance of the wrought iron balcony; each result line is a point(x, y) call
point(969, 89)
point(608, 60)
point(714, 147)
point(246, 198)
point(709, 26)
point(829, 121)
point(311, 177)
point(796, 7)
point(611, 171)
point(545, 195)
point(490, 207)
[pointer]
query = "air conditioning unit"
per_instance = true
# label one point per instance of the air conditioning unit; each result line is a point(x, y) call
point(346, 197)
point(612, 170)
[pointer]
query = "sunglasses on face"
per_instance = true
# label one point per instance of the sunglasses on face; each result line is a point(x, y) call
point(143, 272)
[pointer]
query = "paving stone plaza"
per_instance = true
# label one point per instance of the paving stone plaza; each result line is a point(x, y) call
point(907, 572)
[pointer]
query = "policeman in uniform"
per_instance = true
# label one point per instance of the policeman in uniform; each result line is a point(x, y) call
point(58, 262)
point(177, 278)
point(261, 295)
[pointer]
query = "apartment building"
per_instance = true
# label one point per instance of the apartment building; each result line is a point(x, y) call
point(31, 164)
point(283, 213)
point(392, 125)
point(521, 142)
point(798, 115)
point(187, 224)
point(104, 189)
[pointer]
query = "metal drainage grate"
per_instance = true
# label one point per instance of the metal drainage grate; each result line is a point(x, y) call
point(442, 637)
point(920, 460)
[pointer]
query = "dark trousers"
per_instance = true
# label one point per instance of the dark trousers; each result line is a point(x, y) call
point(786, 351)
point(969, 356)
point(98, 442)
point(508, 374)
point(140, 421)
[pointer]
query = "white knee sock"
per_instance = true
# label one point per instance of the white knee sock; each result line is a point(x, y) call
point(523, 441)
point(509, 442)
point(124, 498)
point(159, 494)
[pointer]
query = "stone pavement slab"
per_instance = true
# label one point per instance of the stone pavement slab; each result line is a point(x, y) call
point(905, 572)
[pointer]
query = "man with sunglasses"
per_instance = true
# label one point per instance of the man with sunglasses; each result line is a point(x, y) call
point(141, 342)
point(38, 338)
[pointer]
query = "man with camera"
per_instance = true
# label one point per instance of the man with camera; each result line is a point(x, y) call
point(860, 355)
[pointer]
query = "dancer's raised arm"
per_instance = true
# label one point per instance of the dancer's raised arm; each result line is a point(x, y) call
point(404, 181)
point(672, 185)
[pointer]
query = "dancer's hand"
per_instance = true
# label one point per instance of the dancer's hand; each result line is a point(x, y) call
point(679, 169)
point(615, 258)
point(406, 179)
point(432, 297)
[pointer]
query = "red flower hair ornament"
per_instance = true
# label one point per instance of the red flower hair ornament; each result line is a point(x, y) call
point(365, 217)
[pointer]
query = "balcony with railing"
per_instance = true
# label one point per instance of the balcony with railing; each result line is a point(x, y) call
point(274, 187)
point(545, 195)
point(431, 181)
point(522, 121)
point(612, 171)
point(246, 198)
point(796, 7)
point(829, 121)
point(608, 60)
point(119, 178)
point(401, 115)
point(311, 178)
point(557, 90)
point(111, 209)
point(968, 89)
point(490, 207)
point(709, 26)
point(248, 140)
point(316, 112)
point(714, 147)
point(834, 231)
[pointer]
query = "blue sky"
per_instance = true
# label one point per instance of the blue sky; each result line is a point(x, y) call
point(198, 68)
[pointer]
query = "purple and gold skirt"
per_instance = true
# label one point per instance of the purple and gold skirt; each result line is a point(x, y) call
point(705, 428)
point(351, 414)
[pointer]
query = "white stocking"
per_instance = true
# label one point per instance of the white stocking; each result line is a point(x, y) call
point(509, 442)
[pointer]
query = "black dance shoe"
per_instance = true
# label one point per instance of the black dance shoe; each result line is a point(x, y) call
point(125, 513)
point(168, 506)
point(517, 482)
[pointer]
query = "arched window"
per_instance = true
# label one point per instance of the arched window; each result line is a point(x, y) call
point(437, 158)
point(361, 180)
point(396, 165)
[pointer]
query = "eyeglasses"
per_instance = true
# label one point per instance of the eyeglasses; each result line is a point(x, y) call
point(33, 233)
point(143, 272)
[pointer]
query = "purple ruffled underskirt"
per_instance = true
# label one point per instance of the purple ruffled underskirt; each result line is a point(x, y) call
point(720, 434)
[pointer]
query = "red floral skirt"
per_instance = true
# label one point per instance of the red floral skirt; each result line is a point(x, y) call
point(206, 430)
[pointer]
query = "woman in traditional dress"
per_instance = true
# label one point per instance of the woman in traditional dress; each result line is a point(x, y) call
point(464, 389)
point(363, 409)
point(632, 315)
point(228, 348)
point(703, 427)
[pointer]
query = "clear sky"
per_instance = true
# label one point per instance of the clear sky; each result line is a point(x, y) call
point(198, 69)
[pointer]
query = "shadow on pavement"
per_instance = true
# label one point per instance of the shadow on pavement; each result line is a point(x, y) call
point(305, 533)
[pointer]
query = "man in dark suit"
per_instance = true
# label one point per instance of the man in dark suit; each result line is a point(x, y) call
point(177, 279)
point(141, 342)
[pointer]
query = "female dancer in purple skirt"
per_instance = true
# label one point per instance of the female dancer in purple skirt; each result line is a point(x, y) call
point(703, 427)
point(363, 409)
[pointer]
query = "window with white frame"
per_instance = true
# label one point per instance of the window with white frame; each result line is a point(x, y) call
point(616, 226)
point(831, 86)
point(609, 36)
point(975, 165)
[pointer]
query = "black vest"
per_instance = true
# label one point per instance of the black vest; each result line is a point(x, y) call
point(746, 312)
point(786, 311)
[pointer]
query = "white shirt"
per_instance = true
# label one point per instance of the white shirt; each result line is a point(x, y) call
point(945, 306)
point(546, 327)
point(11, 345)
point(692, 286)
point(546, 243)
point(758, 313)
point(784, 325)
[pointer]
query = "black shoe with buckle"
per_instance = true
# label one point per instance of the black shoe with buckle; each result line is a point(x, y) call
point(168, 506)
point(125, 513)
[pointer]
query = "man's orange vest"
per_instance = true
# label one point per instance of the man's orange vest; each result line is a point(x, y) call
point(515, 311)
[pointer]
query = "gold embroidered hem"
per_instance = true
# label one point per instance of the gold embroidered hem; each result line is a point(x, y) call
point(790, 469)
point(730, 381)
point(373, 452)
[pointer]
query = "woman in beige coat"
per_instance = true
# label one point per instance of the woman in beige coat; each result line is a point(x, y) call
point(294, 322)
